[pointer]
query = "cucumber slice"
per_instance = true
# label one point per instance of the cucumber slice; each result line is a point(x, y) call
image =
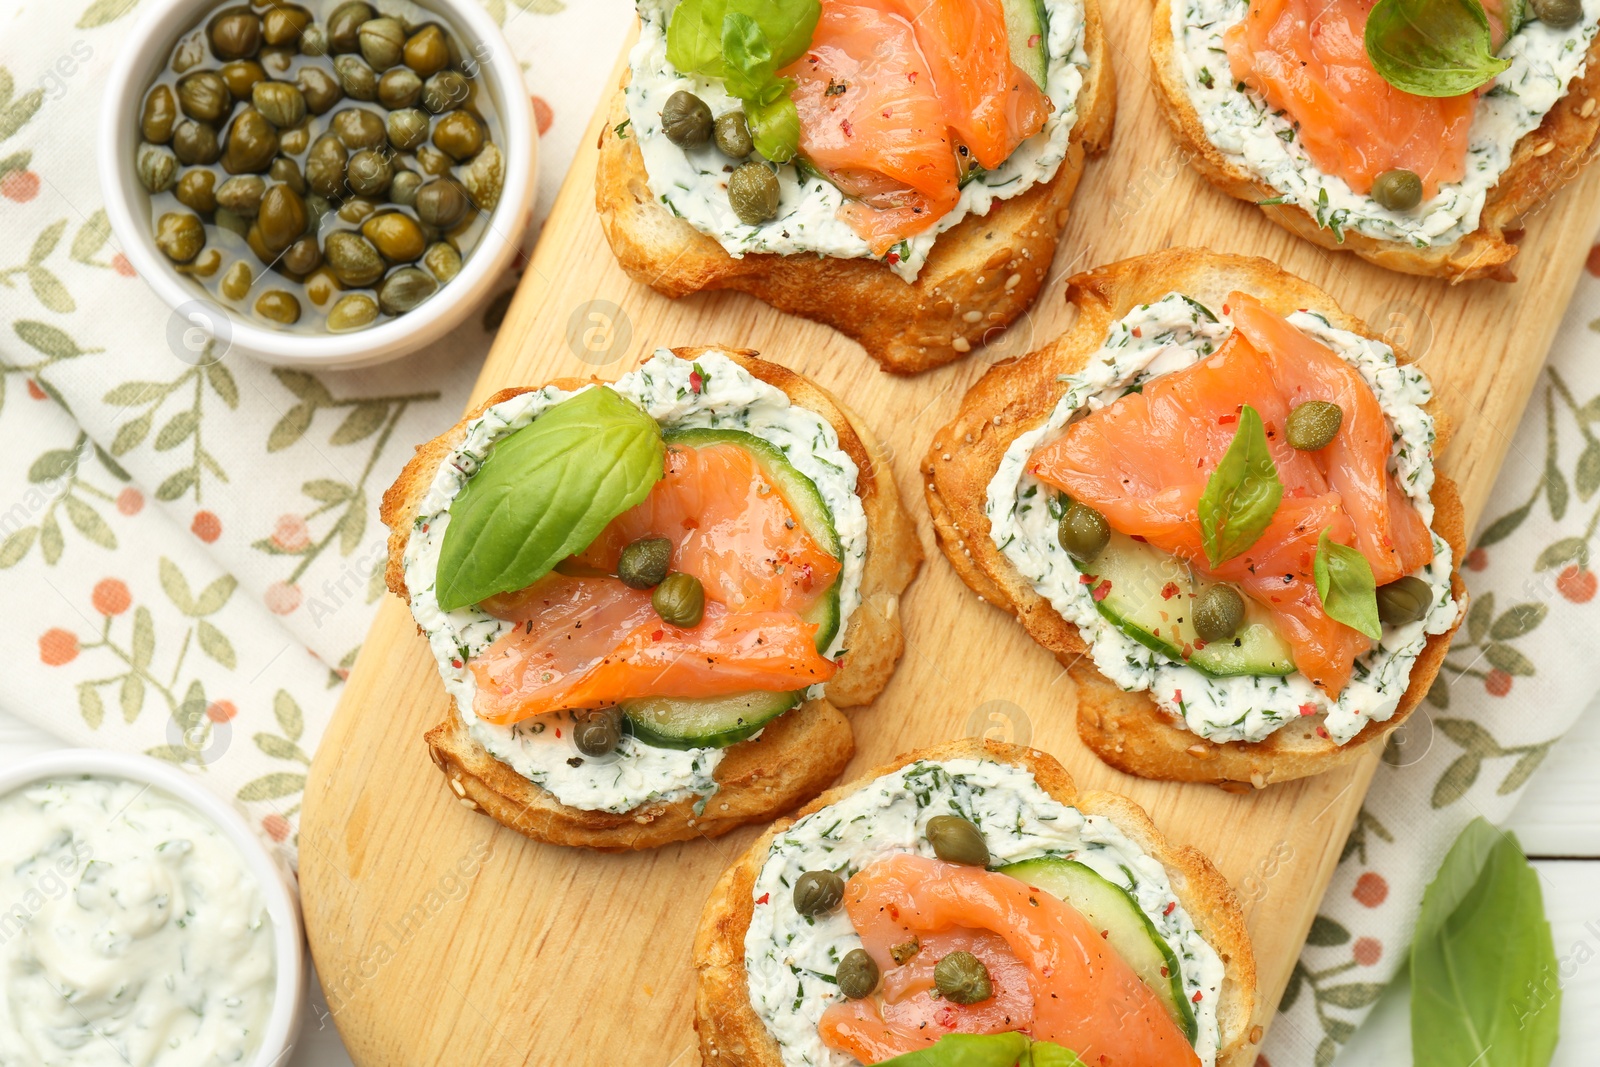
point(1128, 930)
point(1027, 26)
point(717, 722)
point(1150, 598)
point(704, 722)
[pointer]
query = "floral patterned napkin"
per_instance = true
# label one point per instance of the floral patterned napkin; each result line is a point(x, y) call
point(190, 555)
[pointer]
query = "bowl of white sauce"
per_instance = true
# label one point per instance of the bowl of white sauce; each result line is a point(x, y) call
point(142, 922)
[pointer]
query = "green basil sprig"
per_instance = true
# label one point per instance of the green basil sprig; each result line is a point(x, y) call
point(987, 1050)
point(745, 43)
point(545, 492)
point(1432, 47)
point(1242, 494)
point(1345, 583)
point(1485, 982)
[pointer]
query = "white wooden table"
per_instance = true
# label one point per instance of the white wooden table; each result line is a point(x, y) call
point(1558, 822)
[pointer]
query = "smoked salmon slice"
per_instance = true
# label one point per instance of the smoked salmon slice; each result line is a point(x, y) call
point(586, 640)
point(1054, 976)
point(894, 95)
point(1309, 59)
point(1143, 463)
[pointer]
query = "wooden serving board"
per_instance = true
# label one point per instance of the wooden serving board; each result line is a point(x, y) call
point(441, 938)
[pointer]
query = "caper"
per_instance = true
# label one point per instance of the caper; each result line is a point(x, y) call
point(314, 40)
point(408, 128)
point(204, 265)
point(643, 563)
point(325, 166)
point(197, 191)
point(1083, 532)
point(293, 141)
point(159, 116)
point(458, 135)
point(957, 840)
point(445, 90)
point(595, 733)
point(404, 289)
point(686, 120)
point(357, 209)
point(1397, 190)
point(358, 80)
point(443, 260)
point(302, 257)
point(382, 40)
point(282, 218)
point(241, 76)
point(180, 235)
point(358, 128)
point(817, 891)
point(204, 96)
point(242, 195)
point(857, 975)
point(277, 60)
point(190, 53)
point(962, 978)
point(284, 23)
point(1404, 600)
point(1218, 613)
point(279, 103)
point(319, 88)
point(352, 258)
point(399, 87)
point(352, 312)
point(397, 236)
point(251, 144)
point(317, 206)
point(279, 306)
point(344, 26)
point(403, 187)
point(236, 281)
point(258, 244)
point(433, 162)
point(231, 221)
point(427, 51)
point(157, 167)
point(1559, 14)
point(369, 172)
point(1312, 425)
point(484, 178)
point(732, 135)
point(195, 143)
point(680, 599)
point(320, 286)
point(441, 203)
point(235, 33)
point(753, 192)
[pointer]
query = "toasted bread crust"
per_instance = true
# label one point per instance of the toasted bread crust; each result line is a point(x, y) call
point(794, 757)
point(1128, 730)
point(1542, 162)
point(733, 1035)
point(981, 274)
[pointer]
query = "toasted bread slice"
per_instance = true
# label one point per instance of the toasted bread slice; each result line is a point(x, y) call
point(733, 1035)
point(981, 274)
point(797, 754)
point(1128, 730)
point(1542, 162)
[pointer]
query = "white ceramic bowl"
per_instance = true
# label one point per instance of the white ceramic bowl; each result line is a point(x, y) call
point(142, 54)
point(289, 993)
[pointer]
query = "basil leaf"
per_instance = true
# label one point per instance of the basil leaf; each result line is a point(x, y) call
point(694, 37)
point(1345, 584)
point(774, 128)
point(1049, 1054)
point(695, 32)
point(967, 1050)
point(747, 61)
point(545, 492)
point(1242, 494)
point(1484, 973)
point(1432, 47)
point(788, 25)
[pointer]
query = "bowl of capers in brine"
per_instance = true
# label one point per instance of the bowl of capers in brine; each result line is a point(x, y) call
point(332, 183)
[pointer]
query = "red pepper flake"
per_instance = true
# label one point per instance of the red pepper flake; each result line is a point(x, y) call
point(1198, 644)
point(885, 112)
point(1105, 935)
point(893, 258)
point(1169, 590)
point(1188, 650)
point(696, 383)
point(424, 527)
point(1033, 40)
point(1139, 538)
point(658, 635)
point(1138, 331)
point(1227, 420)
point(558, 731)
point(1308, 709)
point(911, 76)
point(1226, 310)
point(1101, 591)
point(1172, 905)
point(844, 124)
point(1164, 973)
point(763, 898)
point(456, 664)
point(1085, 579)
point(1196, 997)
point(1322, 732)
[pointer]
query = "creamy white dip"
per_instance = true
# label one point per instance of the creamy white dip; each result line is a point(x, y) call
point(134, 935)
point(541, 749)
point(791, 958)
point(693, 184)
point(1262, 143)
point(1024, 513)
